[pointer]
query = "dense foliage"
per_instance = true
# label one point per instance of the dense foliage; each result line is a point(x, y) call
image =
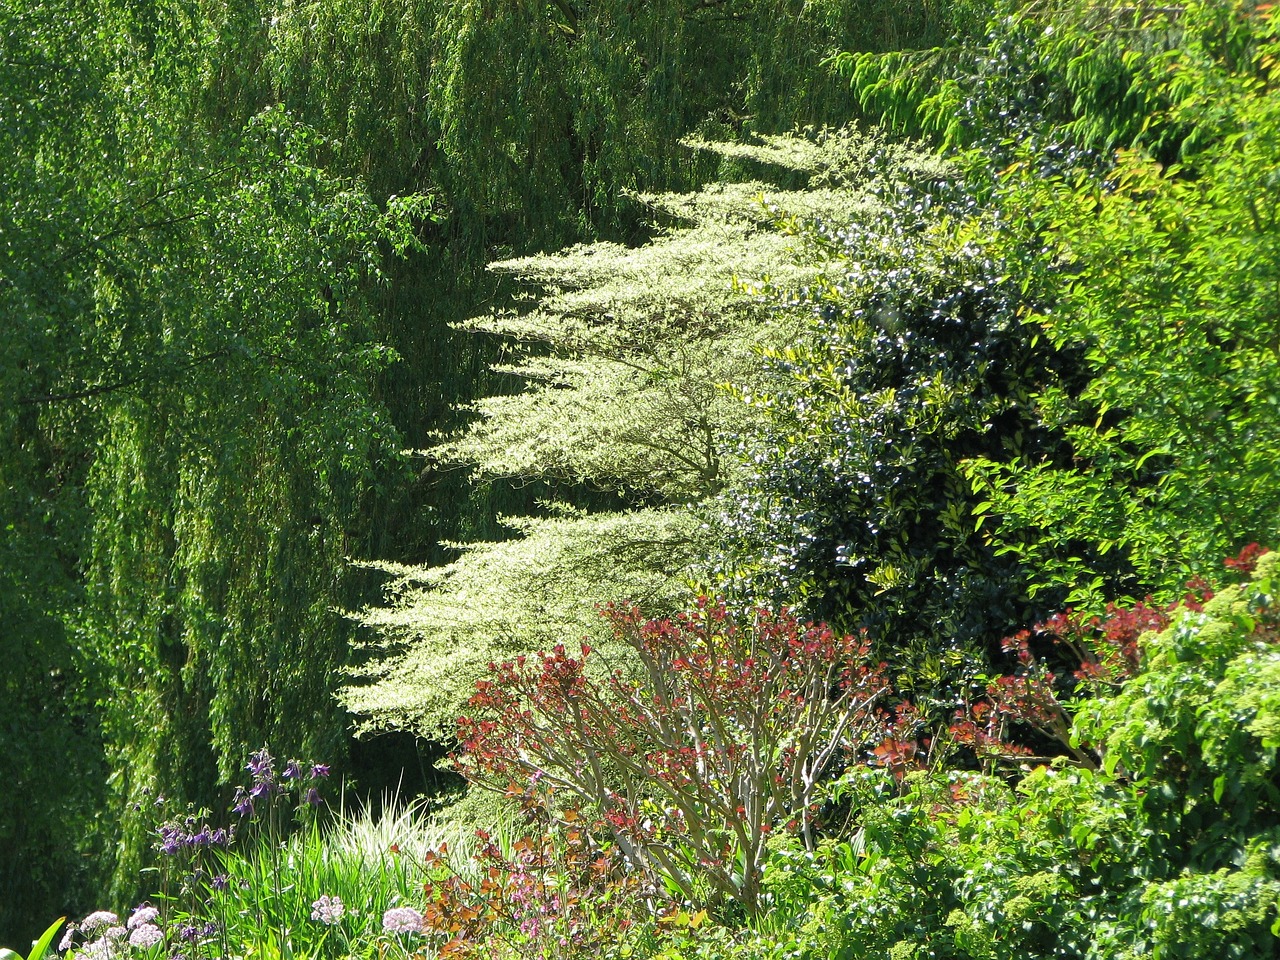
point(187, 426)
point(1167, 849)
point(938, 399)
point(635, 364)
point(854, 499)
point(200, 416)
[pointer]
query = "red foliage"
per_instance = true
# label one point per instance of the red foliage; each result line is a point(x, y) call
point(554, 892)
point(1246, 561)
point(1105, 649)
point(718, 733)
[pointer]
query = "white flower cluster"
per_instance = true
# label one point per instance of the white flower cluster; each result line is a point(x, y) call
point(328, 910)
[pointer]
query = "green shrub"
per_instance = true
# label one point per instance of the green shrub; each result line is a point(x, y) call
point(852, 498)
point(1169, 847)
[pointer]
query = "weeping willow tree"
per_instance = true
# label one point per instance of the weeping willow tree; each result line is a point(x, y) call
point(222, 493)
point(188, 367)
point(538, 114)
point(640, 369)
point(199, 420)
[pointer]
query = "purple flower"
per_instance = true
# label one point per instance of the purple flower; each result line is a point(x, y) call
point(329, 910)
point(260, 790)
point(219, 882)
point(145, 935)
point(116, 933)
point(319, 771)
point(97, 920)
point(68, 938)
point(292, 771)
point(402, 920)
point(189, 933)
point(314, 798)
point(142, 915)
point(219, 838)
point(243, 803)
point(262, 765)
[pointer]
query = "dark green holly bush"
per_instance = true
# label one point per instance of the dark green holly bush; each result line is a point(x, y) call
point(853, 499)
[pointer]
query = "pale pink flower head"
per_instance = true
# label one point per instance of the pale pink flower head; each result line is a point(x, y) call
point(402, 920)
point(328, 910)
point(99, 919)
point(143, 914)
point(145, 935)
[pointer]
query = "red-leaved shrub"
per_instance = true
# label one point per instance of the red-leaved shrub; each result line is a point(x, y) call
point(716, 734)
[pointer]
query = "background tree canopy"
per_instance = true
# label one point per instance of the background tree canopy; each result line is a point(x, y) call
point(186, 397)
point(213, 352)
point(280, 290)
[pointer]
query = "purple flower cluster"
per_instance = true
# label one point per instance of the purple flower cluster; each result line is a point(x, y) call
point(191, 834)
point(402, 920)
point(262, 768)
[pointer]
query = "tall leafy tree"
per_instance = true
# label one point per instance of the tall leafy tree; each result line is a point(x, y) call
point(1137, 193)
point(189, 366)
point(52, 760)
point(1169, 274)
point(641, 370)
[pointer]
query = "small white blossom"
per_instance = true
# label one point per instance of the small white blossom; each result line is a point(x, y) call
point(145, 935)
point(328, 910)
point(99, 919)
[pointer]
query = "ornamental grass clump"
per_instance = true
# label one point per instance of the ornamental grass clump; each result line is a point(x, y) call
point(719, 734)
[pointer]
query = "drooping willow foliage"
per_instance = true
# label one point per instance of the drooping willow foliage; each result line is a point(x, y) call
point(188, 429)
point(201, 411)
